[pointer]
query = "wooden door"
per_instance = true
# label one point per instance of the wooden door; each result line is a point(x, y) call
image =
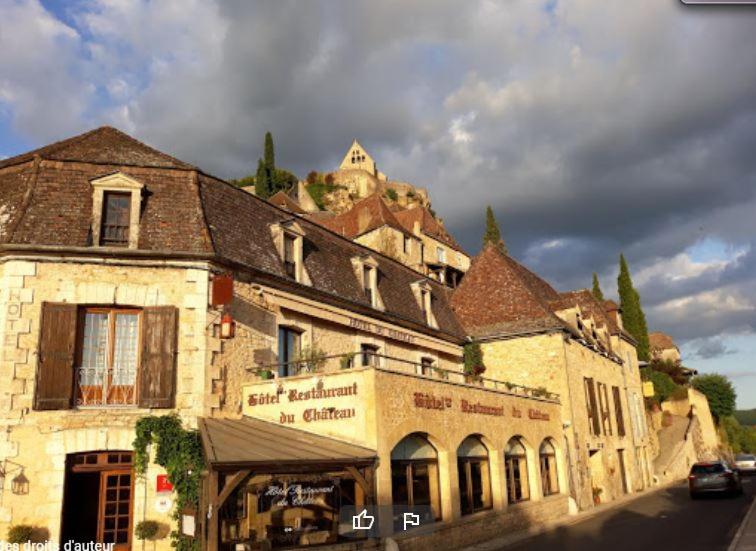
point(114, 521)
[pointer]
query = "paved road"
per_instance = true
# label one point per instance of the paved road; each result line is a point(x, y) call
point(667, 520)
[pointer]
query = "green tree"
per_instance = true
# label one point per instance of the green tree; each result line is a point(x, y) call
point(493, 235)
point(597, 289)
point(664, 386)
point(633, 318)
point(718, 391)
point(283, 180)
point(261, 181)
point(270, 154)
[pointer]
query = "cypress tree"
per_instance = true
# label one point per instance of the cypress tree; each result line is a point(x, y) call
point(633, 318)
point(270, 155)
point(261, 180)
point(493, 235)
point(597, 289)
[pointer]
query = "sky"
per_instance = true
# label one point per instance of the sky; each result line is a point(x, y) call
point(592, 128)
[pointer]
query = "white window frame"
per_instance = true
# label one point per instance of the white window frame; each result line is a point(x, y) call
point(116, 183)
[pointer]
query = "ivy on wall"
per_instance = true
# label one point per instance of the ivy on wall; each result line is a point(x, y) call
point(179, 452)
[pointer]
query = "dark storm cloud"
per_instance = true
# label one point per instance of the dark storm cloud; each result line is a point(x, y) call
point(592, 128)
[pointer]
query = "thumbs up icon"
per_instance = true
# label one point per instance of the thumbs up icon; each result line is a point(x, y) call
point(362, 521)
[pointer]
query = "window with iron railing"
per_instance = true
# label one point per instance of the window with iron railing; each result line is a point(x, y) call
point(116, 219)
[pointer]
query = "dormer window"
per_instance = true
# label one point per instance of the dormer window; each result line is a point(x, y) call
point(116, 219)
point(367, 282)
point(366, 270)
point(424, 298)
point(288, 237)
point(116, 205)
point(290, 255)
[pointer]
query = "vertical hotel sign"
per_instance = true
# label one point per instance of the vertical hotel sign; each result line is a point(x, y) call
point(332, 404)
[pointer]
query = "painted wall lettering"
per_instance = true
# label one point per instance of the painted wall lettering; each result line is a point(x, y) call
point(428, 401)
point(467, 407)
point(538, 414)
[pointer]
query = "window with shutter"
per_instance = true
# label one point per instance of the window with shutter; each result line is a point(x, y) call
point(593, 414)
point(57, 344)
point(157, 388)
point(618, 411)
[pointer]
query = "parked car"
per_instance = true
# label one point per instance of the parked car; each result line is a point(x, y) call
point(746, 463)
point(714, 477)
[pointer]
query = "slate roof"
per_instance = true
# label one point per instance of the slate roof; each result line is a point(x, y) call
point(103, 145)
point(367, 215)
point(428, 225)
point(186, 211)
point(254, 442)
point(282, 200)
point(500, 296)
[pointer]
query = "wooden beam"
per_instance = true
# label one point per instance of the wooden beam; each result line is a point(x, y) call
point(212, 511)
point(230, 486)
point(360, 480)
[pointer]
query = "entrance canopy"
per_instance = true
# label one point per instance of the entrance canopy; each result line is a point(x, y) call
point(256, 444)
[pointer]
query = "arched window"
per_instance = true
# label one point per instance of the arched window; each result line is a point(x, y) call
point(474, 475)
point(547, 457)
point(516, 465)
point(414, 478)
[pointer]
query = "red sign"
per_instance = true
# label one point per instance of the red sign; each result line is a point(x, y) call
point(223, 290)
point(162, 484)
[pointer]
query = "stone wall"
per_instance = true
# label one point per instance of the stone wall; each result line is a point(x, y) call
point(40, 440)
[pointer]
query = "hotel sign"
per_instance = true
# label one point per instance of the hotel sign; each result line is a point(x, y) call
point(382, 331)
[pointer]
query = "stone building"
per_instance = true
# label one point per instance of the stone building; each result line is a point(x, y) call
point(135, 284)
point(411, 236)
point(662, 347)
point(569, 344)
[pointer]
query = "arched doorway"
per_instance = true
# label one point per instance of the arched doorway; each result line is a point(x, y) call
point(474, 476)
point(414, 477)
point(98, 498)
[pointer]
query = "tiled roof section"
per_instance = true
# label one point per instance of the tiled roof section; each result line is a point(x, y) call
point(661, 341)
point(611, 306)
point(56, 206)
point(240, 224)
point(282, 200)
point(15, 185)
point(428, 225)
point(104, 145)
point(369, 214)
point(500, 296)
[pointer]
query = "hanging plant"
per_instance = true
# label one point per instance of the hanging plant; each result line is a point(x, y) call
point(179, 452)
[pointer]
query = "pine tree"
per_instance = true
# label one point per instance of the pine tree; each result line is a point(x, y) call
point(597, 289)
point(493, 235)
point(633, 318)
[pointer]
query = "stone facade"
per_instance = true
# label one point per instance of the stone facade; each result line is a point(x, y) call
point(40, 441)
point(561, 365)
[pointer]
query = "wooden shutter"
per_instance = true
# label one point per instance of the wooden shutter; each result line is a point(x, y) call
point(618, 411)
point(157, 373)
point(593, 408)
point(55, 367)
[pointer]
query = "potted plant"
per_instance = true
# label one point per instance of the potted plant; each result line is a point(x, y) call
point(473, 362)
point(597, 495)
point(311, 359)
point(20, 533)
point(148, 530)
point(265, 374)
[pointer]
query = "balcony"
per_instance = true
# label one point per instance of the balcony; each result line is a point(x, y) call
point(341, 363)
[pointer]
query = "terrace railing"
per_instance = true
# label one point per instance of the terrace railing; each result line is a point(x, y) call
point(317, 363)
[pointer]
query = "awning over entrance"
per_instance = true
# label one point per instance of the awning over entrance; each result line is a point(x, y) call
point(255, 444)
point(271, 485)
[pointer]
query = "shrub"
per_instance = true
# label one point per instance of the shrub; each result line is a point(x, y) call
point(20, 533)
point(392, 194)
point(146, 530)
point(680, 393)
point(311, 359)
point(664, 386)
point(473, 359)
point(312, 177)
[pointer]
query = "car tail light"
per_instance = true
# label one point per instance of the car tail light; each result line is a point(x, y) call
point(692, 477)
point(727, 475)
